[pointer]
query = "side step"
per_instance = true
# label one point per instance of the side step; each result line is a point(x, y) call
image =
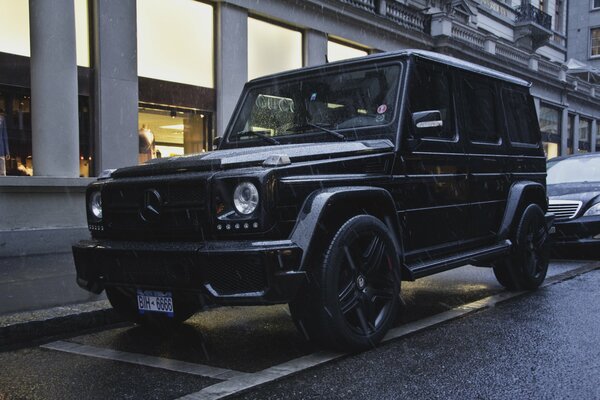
point(430, 267)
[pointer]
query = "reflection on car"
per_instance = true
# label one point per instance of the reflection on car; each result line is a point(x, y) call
point(574, 198)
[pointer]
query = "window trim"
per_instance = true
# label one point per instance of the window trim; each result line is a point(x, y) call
point(593, 6)
point(593, 28)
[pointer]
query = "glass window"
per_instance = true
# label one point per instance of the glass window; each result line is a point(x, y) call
point(595, 42)
point(175, 41)
point(551, 149)
point(337, 51)
point(596, 4)
point(14, 29)
point(519, 110)
point(429, 89)
point(319, 107)
point(549, 120)
point(479, 110)
point(171, 132)
point(15, 109)
point(272, 48)
point(578, 169)
point(570, 133)
point(585, 133)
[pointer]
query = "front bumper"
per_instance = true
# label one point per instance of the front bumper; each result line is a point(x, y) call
point(577, 235)
point(223, 272)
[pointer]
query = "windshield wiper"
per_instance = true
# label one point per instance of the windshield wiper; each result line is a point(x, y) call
point(259, 134)
point(321, 128)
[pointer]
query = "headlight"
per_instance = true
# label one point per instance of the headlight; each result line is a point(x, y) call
point(96, 204)
point(593, 210)
point(245, 198)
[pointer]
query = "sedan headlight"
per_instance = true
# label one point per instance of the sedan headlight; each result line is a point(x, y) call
point(96, 204)
point(245, 198)
point(593, 210)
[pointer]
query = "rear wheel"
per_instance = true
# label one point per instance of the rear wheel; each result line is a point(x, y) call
point(124, 301)
point(353, 298)
point(527, 265)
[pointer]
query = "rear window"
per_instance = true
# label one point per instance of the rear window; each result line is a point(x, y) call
point(520, 117)
point(479, 116)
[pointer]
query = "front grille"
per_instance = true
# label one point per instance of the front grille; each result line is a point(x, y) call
point(182, 213)
point(231, 274)
point(564, 209)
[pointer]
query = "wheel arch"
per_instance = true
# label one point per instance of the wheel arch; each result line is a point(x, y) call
point(520, 195)
point(325, 210)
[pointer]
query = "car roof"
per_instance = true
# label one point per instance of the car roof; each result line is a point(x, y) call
point(580, 155)
point(428, 55)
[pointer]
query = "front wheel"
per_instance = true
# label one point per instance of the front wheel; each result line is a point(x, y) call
point(527, 265)
point(353, 297)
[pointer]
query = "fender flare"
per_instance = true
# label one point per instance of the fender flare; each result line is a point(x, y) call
point(318, 206)
point(515, 202)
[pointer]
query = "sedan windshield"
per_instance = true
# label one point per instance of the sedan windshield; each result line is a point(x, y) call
point(333, 105)
point(574, 170)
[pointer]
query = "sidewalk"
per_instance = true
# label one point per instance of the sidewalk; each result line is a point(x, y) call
point(39, 297)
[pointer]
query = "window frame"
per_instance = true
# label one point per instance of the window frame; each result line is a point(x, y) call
point(538, 140)
point(595, 5)
point(591, 53)
point(495, 85)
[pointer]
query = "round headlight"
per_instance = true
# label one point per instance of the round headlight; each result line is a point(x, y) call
point(96, 204)
point(245, 198)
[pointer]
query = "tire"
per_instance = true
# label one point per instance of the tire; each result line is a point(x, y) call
point(353, 295)
point(527, 265)
point(124, 301)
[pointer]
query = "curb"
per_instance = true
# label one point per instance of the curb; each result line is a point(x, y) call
point(24, 327)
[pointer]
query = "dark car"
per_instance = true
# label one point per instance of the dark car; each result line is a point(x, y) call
point(574, 193)
point(331, 185)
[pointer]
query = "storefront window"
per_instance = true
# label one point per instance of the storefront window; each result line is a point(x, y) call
point(14, 29)
point(550, 121)
point(337, 51)
point(165, 132)
point(175, 41)
point(15, 111)
point(585, 133)
point(570, 133)
point(272, 48)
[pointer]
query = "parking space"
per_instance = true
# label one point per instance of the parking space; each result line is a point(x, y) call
point(224, 350)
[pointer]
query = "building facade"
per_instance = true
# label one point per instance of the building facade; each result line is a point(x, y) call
point(88, 85)
point(584, 32)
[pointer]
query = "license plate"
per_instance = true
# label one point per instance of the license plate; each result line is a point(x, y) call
point(155, 301)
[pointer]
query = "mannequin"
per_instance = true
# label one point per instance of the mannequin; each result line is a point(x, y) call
point(146, 144)
point(4, 153)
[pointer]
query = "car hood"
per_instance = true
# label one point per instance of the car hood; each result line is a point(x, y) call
point(253, 156)
point(583, 192)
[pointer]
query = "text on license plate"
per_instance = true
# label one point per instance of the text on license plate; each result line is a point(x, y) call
point(155, 301)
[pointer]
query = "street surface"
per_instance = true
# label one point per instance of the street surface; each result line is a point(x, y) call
point(538, 345)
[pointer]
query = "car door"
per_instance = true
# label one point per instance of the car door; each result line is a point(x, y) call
point(431, 170)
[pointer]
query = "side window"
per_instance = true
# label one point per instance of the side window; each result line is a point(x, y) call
point(520, 117)
point(479, 110)
point(429, 90)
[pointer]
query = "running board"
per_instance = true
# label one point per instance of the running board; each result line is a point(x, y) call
point(430, 267)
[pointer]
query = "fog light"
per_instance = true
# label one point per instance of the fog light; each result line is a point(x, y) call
point(96, 204)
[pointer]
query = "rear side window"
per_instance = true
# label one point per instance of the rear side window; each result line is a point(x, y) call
point(520, 117)
point(429, 90)
point(479, 110)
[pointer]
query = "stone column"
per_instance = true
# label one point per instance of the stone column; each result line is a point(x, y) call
point(54, 105)
point(231, 61)
point(315, 48)
point(116, 83)
point(564, 131)
point(594, 136)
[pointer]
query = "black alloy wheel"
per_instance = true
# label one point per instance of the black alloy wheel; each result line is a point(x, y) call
point(527, 266)
point(354, 295)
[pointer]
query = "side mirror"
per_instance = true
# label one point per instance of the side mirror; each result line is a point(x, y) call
point(428, 123)
point(216, 142)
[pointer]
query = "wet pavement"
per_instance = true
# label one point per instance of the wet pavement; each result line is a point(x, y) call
point(39, 282)
point(495, 353)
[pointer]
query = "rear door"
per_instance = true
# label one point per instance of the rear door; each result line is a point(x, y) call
point(431, 170)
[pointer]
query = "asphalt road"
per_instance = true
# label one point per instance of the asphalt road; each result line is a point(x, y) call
point(539, 345)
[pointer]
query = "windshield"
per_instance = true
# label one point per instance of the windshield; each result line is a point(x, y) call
point(332, 105)
point(572, 170)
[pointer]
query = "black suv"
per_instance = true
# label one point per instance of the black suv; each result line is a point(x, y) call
point(330, 185)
